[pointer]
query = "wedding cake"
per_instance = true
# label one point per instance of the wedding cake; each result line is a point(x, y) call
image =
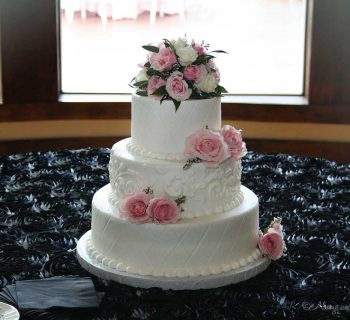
point(175, 214)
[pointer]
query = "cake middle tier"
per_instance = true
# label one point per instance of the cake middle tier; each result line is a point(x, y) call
point(207, 190)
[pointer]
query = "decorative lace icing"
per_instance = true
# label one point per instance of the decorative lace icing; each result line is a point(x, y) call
point(208, 190)
point(170, 272)
point(154, 155)
point(125, 180)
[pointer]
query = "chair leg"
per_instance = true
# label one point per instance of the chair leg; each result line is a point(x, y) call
point(102, 11)
point(83, 9)
point(153, 11)
point(182, 10)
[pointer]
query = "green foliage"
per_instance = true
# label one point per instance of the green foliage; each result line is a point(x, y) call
point(180, 200)
point(168, 44)
point(151, 72)
point(160, 91)
point(177, 104)
point(204, 59)
point(151, 48)
point(220, 89)
point(141, 84)
point(142, 93)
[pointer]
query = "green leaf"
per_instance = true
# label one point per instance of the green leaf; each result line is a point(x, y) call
point(160, 91)
point(152, 72)
point(218, 51)
point(169, 44)
point(165, 97)
point(220, 89)
point(189, 163)
point(142, 93)
point(142, 83)
point(151, 48)
point(203, 59)
point(148, 190)
point(177, 104)
point(180, 200)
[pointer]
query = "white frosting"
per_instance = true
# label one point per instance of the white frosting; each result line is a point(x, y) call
point(207, 190)
point(191, 247)
point(218, 230)
point(158, 131)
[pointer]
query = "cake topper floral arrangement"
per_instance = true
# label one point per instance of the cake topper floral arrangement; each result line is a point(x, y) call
point(179, 70)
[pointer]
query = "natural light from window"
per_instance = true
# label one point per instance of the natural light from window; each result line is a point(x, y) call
point(101, 41)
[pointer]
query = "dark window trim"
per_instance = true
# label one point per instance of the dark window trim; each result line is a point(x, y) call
point(31, 81)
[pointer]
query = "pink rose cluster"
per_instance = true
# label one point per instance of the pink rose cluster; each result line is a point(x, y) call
point(271, 242)
point(142, 207)
point(212, 147)
point(179, 70)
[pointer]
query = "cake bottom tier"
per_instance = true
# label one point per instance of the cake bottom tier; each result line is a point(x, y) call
point(189, 248)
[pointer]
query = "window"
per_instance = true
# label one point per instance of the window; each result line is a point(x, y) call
point(32, 92)
point(31, 70)
point(101, 43)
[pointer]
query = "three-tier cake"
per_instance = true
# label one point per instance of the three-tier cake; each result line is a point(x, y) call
point(175, 214)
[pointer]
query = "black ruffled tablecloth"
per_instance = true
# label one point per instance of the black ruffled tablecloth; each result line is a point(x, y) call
point(45, 200)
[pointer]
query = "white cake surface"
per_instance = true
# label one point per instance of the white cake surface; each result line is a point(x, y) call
point(191, 247)
point(207, 190)
point(218, 231)
point(158, 131)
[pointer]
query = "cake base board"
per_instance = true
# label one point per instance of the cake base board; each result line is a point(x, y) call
point(175, 283)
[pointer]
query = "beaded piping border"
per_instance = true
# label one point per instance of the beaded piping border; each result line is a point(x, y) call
point(170, 272)
point(153, 155)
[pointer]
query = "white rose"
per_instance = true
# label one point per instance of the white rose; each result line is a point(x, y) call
point(208, 83)
point(180, 43)
point(186, 55)
point(141, 76)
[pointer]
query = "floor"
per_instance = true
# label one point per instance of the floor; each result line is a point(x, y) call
point(264, 40)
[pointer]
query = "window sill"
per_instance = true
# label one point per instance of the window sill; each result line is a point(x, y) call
point(266, 100)
point(229, 99)
point(117, 106)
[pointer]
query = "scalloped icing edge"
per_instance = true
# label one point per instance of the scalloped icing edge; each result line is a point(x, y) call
point(170, 272)
point(153, 155)
point(238, 199)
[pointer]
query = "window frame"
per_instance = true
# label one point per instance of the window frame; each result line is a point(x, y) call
point(31, 72)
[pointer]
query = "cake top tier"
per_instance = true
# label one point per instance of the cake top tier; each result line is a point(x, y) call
point(158, 131)
point(179, 70)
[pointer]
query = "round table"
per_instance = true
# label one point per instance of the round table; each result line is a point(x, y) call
point(45, 200)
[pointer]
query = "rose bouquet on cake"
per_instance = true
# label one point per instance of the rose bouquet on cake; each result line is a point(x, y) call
point(212, 147)
point(179, 70)
point(144, 207)
point(271, 242)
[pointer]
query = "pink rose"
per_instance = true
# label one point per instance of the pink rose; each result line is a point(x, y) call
point(154, 83)
point(233, 139)
point(162, 60)
point(199, 48)
point(207, 145)
point(177, 88)
point(213, 69)
point(134, 207)
point(163, 210)
point(272, 244)
point(195, 72)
